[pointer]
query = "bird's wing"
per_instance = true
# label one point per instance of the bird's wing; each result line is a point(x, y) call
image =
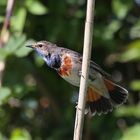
point(96, 67)
point(93, 65)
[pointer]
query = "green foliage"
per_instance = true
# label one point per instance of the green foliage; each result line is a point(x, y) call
point(35, 7)
point(132, 133)
point(132, 53)
point(135, 85)
point(20, 134)
point(18, 21)
point(111, 29)
point(15, 46)
point(129, 111)
point(35, 103)
point(121, 7)
point(135, 30)
point(4, 94)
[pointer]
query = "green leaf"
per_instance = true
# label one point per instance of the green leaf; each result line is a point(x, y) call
point(18, 20)
point(128, 111)
point(23, 50)
point(132, 53)
point(14, 43)
point(4, 94)
point(20, 134)
point(3, 2)
point(121, 7)
point(135, 85)
point(135, 30)
point(1, 19)
point(35, 7)
point(3, 54)
point(1, 136)
point(132, 133)
point(111, 29)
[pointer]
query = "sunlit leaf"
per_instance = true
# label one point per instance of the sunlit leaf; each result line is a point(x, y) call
point(132, 133)
point(23, 50)
point(13, 43)
point(135, 30)
point(111, 29)
point(3, 54)
point(20, 134)
point(128, 111)
point(135, 85)
point(36, 8)
point(121, 7)
point(4, 94)
point(3, 2)
point(18, 20)
point(1, 19)
point(132, 52)
point(1, 137)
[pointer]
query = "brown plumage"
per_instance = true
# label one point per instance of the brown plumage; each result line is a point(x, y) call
point(66, 67)
point(103, 94)
point(96, 103)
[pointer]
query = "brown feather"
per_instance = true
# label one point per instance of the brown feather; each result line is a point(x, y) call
point(92, 95)
point(97, 103)
point(66, 67)
point(109, 84)
point(118, 94)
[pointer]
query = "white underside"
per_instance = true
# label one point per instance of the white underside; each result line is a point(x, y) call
point(97, 83)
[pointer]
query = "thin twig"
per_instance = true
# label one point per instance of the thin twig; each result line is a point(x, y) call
point(79, 120)
point(4, 36)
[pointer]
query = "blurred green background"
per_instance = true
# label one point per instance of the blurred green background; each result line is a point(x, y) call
point(35, 103)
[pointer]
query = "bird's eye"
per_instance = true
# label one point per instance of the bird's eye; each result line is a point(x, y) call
point(40, 45)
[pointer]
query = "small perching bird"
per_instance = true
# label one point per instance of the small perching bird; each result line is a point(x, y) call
point(102, 94)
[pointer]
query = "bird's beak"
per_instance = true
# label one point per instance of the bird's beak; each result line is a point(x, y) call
point(29, 46)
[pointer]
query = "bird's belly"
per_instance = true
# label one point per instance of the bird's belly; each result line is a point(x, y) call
point(73, 78)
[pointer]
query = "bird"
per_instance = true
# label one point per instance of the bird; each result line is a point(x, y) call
point(103, 94)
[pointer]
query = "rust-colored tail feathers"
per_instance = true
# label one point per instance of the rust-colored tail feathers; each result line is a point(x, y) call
point(118, 94)
point(96, 103)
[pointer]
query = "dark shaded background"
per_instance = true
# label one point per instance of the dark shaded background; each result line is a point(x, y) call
point(35, 103)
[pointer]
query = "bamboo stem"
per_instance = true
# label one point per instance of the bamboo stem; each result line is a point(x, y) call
point(79, 120)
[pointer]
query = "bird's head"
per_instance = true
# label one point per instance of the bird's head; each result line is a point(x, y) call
point(47, 51)
point(42, 47)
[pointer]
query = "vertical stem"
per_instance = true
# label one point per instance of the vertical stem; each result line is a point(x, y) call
point(79, 120)
point(4, 36)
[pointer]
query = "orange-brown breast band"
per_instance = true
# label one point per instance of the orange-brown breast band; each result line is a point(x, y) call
point(66, 67)
point(92, 95)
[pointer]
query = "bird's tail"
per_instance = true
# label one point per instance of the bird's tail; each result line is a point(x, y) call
point(96, 103)
point(118, 94)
